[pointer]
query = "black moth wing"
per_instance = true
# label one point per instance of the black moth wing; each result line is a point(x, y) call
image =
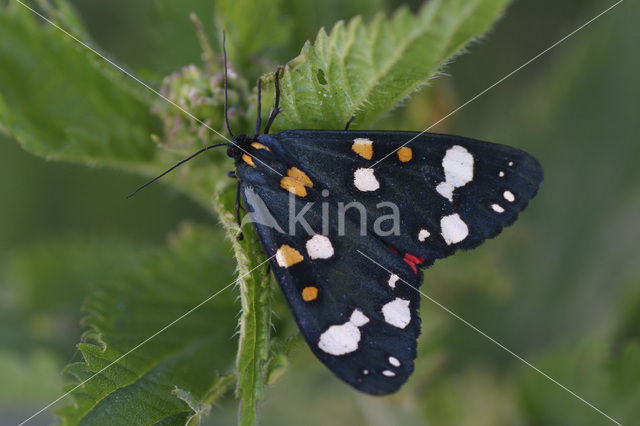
point(451, 192)
point(357, 323)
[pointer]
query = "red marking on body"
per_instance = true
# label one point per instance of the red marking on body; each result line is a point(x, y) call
point(413, 261)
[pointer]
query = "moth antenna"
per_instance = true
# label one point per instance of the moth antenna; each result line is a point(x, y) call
point(226, 101)
point(175, 167)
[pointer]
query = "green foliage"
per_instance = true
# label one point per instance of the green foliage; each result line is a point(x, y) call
point(365, 69)
point(255, 321)
point(58, 105)
point(251, 32)
point(184, 362)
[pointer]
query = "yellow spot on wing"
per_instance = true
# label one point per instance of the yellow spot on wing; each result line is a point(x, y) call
point(309, 293)
point(294, 186)
point(405, 154)
point(258, 145)
point(363, 147)
point(300, 176)
point(247, 159)
point(287, 256)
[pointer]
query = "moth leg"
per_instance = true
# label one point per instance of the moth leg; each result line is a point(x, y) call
point(259, 117)
point(268, 270)
point(346, 128)
point(237, 206)
point(276, 108)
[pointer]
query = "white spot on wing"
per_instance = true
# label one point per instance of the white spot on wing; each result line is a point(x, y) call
point(358, 318)
point(394, 361)
point(319, 247)
point(453, 229)
point(458, 166)
point(393, 279)
point(458, 171)
point(344, 338)
point(501, 174)
point(365, 180)
point(497, 208)
point(423, 235)
point(508, 195)
point(388, 373)
point(510, 163)
point(340, 339)
point(446, 190)
point(397, 312)
point(365, 372)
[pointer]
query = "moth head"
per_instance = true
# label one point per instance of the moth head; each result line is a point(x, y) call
point(241, 144)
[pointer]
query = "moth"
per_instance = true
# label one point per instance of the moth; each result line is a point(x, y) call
point(351, 283)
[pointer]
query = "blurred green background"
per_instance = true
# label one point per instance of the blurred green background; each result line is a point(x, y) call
point(561, 287)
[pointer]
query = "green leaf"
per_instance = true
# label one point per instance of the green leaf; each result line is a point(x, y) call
point(364, 70)
point(255, 321)
point(251, 26)
point(154, 382)
point(59, 104)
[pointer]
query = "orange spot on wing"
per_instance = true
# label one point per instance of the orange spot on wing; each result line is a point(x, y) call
point(258, 145)
point(294, 186)
point(309, 293)
point(247, 159)
point(363, 147)
point(288, 256)
point(405, 154)
point(300, 176)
